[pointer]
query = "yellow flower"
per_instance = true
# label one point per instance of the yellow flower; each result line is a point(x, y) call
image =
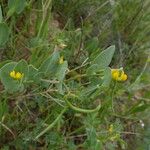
point(118, 75)
point(61, 60)
point(62, 45)
point(124, 77)
point(115, 137)
point(12, 74)
point(16, 75)
point(111, 128)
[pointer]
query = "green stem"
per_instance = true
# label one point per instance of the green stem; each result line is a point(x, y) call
point(52, 124)
point(112, 97)
point(77, 130)
point(131, 87)
point(82, 75)
point(82, 110)
point(45, 16)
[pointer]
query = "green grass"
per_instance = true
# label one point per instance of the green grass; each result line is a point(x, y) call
point(75, 104)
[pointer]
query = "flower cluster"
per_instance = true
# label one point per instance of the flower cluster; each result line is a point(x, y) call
point(16, 75)
point(62, 45)
point(61, 60)
point(111, 128)
point(118, 75)
point(115, 137)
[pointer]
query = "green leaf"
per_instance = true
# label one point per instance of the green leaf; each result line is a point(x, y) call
point(60, 74)
point(9, 83)
point(1, 14)
point(2, 63)
point(62, 68)
point(94, 90)
point(22, 67)
point(92, 143)
point(105, 57)
point(101, 61)
point(4, 33)
point(16, 6)
point(49, 66)
point(92, 44)
point(71, 145)
point(93, 69)
point(138, 108)
point(32, 72)
point(89, 90)
point(107, 77)
point(3, 108)
point(38, 79)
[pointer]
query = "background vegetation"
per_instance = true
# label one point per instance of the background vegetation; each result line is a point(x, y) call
point(72, 103)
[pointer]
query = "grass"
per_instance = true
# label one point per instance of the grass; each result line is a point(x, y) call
point(73, 103)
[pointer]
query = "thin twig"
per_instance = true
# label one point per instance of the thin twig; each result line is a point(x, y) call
point(3, 125)
point(51, 125)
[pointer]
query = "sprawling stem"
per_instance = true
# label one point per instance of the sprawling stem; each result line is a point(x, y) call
point(52, 124)
point(112, 97)
point(80, 109)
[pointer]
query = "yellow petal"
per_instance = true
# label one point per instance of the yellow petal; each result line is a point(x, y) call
point(62, 45)
point(61, 60)
point(12, 74)
point(114, 71)
point(124, 77)
point(115, 75)
point(18, 75)
point(111, 128)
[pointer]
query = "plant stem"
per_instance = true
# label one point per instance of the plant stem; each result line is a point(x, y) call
point(52, 124)
point(82, 110)
point(45, 16)
point(112, 97)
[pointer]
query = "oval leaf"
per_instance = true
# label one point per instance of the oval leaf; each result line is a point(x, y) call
point(9, 83)
point(16, 6)
point(4, 33)
point(105, 57)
